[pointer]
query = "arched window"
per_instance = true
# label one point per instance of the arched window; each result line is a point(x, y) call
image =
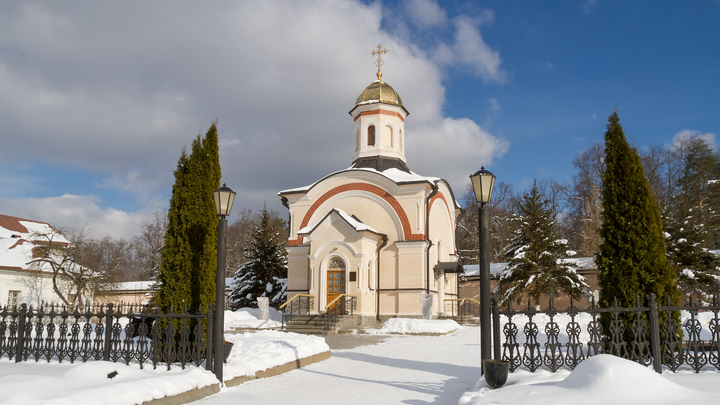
point(371, 135)
point(388, 136)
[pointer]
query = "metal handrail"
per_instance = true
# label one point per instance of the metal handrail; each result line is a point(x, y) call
point(462, 300)
point(295, 296)
point(460, 305)
point(337, 298)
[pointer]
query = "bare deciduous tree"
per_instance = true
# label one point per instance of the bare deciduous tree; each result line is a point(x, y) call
point(147, 246)
point(585, 200)
point(59, 251)
point(501, 228)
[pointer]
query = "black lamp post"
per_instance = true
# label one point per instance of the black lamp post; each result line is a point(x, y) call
point(483, 182)
point(224, 198)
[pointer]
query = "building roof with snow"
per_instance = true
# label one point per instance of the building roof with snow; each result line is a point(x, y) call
point(18, 238)
point(583, 263)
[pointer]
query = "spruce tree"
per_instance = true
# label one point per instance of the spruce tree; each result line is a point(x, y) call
point(537, 260)
point(631, 260)
point(189, 257)
point(264, 273)
point(697, 269)
point(699, 193)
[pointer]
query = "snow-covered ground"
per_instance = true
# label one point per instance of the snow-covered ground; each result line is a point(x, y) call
point(410, 369)
point(600, 380)
point(257, 351)
point(415, 326)
point(90, 383)
point(249, 318)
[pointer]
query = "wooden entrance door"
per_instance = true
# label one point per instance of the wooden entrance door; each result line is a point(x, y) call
point(335, 282)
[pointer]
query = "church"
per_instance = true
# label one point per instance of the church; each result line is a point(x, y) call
point(375, 231)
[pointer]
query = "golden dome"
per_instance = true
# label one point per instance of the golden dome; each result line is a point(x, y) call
point(380, 92)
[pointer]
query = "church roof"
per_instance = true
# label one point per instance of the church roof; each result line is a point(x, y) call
point(379, 92)
point(352, 221)
point(396, 175)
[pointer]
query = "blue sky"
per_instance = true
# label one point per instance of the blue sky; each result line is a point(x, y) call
point(99, 99)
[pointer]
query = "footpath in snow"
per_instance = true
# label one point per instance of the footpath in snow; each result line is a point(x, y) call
point(403, 369)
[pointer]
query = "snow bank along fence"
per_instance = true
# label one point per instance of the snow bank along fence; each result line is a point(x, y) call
point(647, 346)
point(105, 332)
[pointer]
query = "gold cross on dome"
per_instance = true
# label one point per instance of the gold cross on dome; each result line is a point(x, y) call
point(379, 61)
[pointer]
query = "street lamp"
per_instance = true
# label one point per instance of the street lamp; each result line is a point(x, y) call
point(483, 182)
point(224, 198)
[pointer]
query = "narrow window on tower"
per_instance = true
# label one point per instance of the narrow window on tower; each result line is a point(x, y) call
point(371, 135)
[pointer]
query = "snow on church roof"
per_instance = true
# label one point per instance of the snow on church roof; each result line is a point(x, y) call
point(357, 225)
point(395, 175)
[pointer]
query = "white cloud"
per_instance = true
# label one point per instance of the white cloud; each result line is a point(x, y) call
point(588, 6)
point(118, 89)
point(469, 50)
point(685, 134)
point(452, 149)
point(426, 13)
point(76, 211)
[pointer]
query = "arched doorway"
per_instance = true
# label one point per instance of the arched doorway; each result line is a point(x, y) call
point(336, 283)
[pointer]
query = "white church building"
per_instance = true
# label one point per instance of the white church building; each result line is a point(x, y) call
point(376, 230)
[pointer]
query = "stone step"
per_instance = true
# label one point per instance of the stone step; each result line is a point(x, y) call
point(308, 326)
point(316, 324)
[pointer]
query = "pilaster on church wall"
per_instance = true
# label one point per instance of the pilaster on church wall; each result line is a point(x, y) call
point(298, 269)
point(411, 259)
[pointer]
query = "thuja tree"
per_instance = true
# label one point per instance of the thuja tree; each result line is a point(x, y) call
point(189, 257)
point(537, 260)
point(631, 260)
point(264, 273)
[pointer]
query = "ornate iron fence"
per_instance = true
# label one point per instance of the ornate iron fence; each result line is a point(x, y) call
point(652, 342)
point(105, 332)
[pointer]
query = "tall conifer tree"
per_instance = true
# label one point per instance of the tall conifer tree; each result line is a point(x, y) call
point(632, 260)
point(189, 258)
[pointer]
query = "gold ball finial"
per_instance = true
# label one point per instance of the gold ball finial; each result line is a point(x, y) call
point(379, 61)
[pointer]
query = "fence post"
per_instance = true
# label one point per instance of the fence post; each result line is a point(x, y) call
point(108, 332)
point(209, 341)
point(655, 333)
point(20, 344)
point(496, 327)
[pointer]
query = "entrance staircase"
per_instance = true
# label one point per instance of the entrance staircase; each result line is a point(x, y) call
point(318, 324)
point(463, 320)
